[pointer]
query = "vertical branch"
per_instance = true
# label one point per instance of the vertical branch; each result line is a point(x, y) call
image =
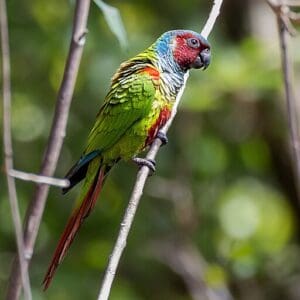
point(290, 98)
point(285, 28)
point(64, 97)
point(8, 151)
point(139, 186)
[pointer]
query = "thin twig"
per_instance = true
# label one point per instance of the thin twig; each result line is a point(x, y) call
point(215, 11)
point(295, 17)
point(39, 178)
point(64, 97)
point(292, 2)
point(283, 14)
point(8, 150)
point(290, 98)
point(139, 186)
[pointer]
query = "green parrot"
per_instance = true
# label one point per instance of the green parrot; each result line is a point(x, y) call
point(138, 104)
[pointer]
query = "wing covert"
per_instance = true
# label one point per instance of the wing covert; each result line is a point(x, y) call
point(128, 101)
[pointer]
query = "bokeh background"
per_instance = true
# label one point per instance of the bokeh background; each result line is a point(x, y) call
point(219, 220)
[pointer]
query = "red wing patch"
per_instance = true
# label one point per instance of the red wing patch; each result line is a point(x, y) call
point(154, 73)
point(162, 119)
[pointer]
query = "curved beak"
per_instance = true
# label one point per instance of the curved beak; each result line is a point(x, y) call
point(205, 58)
point(202, 61)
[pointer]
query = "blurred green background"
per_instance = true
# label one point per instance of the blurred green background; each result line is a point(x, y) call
point(219, 220)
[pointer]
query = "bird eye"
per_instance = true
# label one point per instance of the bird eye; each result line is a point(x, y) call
point(193, 43)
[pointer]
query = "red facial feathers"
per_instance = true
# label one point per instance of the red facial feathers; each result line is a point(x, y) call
point(184, 55)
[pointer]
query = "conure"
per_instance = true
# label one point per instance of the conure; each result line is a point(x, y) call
point(139, 102)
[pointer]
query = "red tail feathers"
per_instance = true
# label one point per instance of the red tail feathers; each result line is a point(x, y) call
point(73, 226)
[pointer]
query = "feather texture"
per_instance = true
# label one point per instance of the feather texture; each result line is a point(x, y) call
point(139, 102)
point(74, 224)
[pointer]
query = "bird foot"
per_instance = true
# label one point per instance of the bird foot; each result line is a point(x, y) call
point(163, 137)
point(150, 163)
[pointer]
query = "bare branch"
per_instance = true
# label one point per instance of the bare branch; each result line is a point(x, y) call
point(282, 10)
point(291, 2)
point(8, 150)
point(290, 99)
point(295, 17)
point(139, 186)
point(215, 11)
point(39, 178)
point(283, 14)
point(64, 97)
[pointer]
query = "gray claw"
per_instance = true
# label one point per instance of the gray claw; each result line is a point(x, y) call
point(162, 136)
point(150, 163)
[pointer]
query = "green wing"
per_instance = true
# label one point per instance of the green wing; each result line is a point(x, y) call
point(128, 101)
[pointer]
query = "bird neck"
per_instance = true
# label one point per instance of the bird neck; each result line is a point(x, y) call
point(172, 76)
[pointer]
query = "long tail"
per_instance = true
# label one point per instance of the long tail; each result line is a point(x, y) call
point(76, 219)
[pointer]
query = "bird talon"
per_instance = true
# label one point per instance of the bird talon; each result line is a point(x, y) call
point(150, 163)
point(163, 137)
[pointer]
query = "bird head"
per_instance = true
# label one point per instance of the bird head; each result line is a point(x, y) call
point(184, 48)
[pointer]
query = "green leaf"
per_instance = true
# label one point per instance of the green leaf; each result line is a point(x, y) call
point(114, 21)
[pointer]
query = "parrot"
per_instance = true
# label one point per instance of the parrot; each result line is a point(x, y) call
point(138, 104)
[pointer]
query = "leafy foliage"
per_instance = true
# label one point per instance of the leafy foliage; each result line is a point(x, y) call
point(114, 21)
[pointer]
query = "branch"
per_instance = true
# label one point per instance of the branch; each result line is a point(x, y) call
point(38, 178)
point(139, 186)
point(8, 150)
point(290, 99)
point(282, 10)
point(36, 208)
point(283, 15)
point(215, 11)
